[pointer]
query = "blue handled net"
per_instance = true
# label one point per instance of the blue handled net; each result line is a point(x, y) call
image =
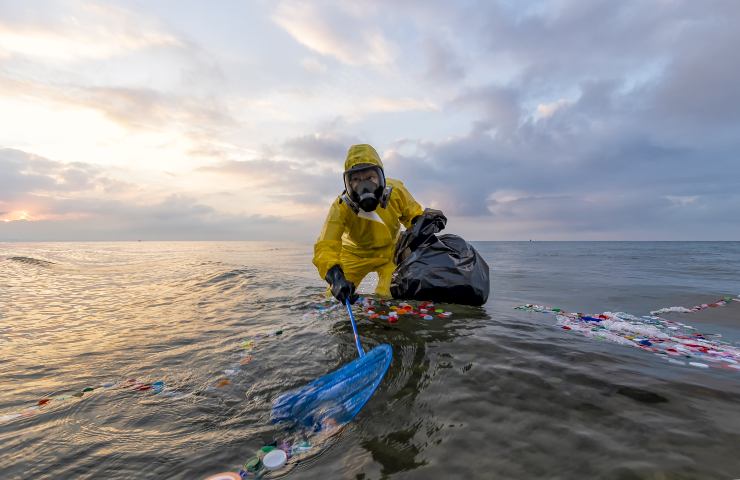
point(336, 397)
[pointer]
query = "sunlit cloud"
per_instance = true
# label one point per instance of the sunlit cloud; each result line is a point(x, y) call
point(15, 215)
point(130, 107)
point(406, 104)
point(122, 126)
point(95, 31)
point(546, 110)
point(62, 46)
point(335, 32)
point(622, 123)
point(46, 199)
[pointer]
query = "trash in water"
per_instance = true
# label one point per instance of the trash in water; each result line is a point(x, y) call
point(666, 338)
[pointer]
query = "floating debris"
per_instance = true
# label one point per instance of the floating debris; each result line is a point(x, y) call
point(387, 310)
point(681, 344)
point(696, 308)
point(132, 384)
point(43, 404)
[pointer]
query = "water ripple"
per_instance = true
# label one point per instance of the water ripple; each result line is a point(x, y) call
point(487, 393)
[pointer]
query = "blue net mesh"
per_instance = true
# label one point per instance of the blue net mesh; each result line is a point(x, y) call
point(336, 397)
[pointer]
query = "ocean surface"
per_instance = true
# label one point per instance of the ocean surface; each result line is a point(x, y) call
point(87, 329)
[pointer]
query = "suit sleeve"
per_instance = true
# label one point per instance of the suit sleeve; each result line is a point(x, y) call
point(410, 208)
point(328, 247)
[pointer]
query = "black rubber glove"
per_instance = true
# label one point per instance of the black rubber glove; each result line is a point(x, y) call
point(432, 221)
point(340, 287)
point(423, 227)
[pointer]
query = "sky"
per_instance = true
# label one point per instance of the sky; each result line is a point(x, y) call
point(230, 120)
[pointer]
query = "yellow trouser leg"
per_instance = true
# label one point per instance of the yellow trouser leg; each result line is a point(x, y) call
point(385, 274)
point(356, 268)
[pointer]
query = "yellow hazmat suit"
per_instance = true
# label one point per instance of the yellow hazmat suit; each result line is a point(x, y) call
point(364, 242)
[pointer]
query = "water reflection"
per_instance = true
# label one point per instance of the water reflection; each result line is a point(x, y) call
point(505, 381)
point(403, 419)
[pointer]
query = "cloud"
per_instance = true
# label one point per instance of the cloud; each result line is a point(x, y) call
point(501, 106)
point(682, 200)
point(339, 32)
point(33, 187)
point(24, 173)
point(174, 218)
point(405, 104)
point(131, 107)
point(443, 64)
point(46, 200)
point(313, 65)
point(597, 166)
point(325, 148)
point(291, 182)
point(599, 120)
point(700, 84)
point(546, 110)
point(67, 62)
point(95, 31)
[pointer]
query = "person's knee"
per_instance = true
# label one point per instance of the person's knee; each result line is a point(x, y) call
point(355, 276)
point(385, 275)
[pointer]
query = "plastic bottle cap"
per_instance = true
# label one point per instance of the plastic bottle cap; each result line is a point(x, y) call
point(253, 464)
point(225, 476)
point(275, 459)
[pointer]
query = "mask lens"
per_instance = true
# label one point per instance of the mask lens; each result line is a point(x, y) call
point(365, 186)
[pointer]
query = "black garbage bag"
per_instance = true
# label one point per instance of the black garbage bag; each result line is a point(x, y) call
point(441, 268)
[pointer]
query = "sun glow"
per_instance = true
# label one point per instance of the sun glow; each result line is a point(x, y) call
point(17, 215)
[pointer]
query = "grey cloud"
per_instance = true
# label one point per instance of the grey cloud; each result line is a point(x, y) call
point(308, 170)
point(14, 179)
point(649, 114)
point(640, 212)
point(598, 165)
point(22, 172)
point(645, 140)
point(501, 106)
point(329, 149)
point(552, 46)
point(264, 170)
point(443, 64)
point(200, 117)
point(701, 83)
point(301, 181)
point(76, 195)
point(146, 108)
point(567, 40)
point(175, 218)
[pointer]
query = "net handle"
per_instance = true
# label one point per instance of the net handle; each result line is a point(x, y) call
point(354, 328)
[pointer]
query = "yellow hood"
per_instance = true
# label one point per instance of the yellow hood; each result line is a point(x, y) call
point(362, 153)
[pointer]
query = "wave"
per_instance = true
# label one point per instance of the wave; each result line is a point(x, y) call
point(231, 275)
point(32, 261)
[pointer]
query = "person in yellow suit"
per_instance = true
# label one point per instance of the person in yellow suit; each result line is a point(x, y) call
point(360, 232)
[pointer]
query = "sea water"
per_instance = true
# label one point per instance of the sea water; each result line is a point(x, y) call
point(488, 392)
